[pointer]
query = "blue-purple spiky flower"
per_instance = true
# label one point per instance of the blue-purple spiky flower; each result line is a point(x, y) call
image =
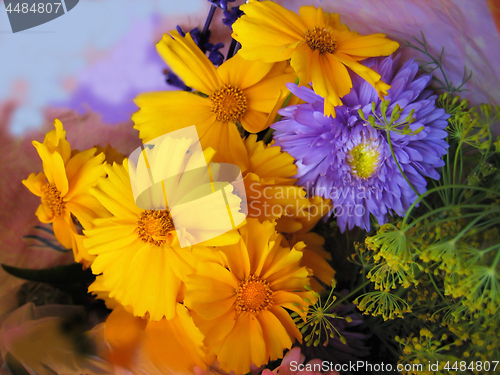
point(347, 160)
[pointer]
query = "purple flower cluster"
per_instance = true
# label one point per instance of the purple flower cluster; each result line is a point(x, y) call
point(347, 160)
point(221, 3)
point(230, 16)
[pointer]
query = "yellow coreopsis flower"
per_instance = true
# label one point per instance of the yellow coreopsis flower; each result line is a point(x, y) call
point(318, 45)
point(240, 305)
point(137, 250)
point(237, 92)
point(63, 187)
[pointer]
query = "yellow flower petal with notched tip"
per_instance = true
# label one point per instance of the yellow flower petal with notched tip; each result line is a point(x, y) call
point(239, 303)
point(237, 93)
point(138, 256)
point(64, 189)
point(318, 45)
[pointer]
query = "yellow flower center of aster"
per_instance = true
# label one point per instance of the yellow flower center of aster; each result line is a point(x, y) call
point(228, 103)
point(153, 226)
point(364, 160)
point(253, 295)
point(52, 200)
point(321, 39)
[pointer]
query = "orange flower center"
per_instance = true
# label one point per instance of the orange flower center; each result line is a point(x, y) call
point(321, 39)
point(228, 104)
point(253, 295)
point(153, 226)
point(51, 199)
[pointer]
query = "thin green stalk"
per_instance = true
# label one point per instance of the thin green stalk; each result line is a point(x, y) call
point(338, 302)
point(401, 170)
point(433, 190)
point(436, 287)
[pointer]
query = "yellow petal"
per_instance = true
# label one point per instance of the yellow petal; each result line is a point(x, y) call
point(225, 139)
point(59, 174)
point(175, 346)
point(44, 215)
point(275, 335)
point(254, 121)
point(262, 95)
point(83, 170)
point(123, 333)
point(243, 346)
point(164, 112)
point(268, 32)
point(369, 75)
point(301, 62)
point(312, 16)
point(115, 193)
point(63, 231)
point(287, 322)
point(86, 208)
point(186, 59)
point(55, 140)
point(367, 46)
point(242, 73)
point(35, 182)
point(324, 80)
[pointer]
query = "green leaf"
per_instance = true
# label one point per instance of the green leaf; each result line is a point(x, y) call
point(70, 274)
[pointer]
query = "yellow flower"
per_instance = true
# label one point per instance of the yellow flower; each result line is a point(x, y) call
point(237, 92)
point(137, 250)
point(239, 305)
point(298, 229)
point(64, 188)
point(318, 45)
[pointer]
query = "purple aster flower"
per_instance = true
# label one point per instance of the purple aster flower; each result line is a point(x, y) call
point(221, 3)
point(347, 160)
point(202, 40)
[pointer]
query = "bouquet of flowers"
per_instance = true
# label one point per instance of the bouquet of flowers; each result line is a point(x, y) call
point(310, 202)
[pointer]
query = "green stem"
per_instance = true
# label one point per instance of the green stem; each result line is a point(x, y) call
point(457, 156)
point(401, 170)
point(437, 188)
point(268, 136)
point(436, 287)
point(438, 210)
point(338, 302)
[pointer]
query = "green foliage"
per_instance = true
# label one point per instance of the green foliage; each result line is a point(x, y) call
point(435, 63)
point(315, 325)
point(439, 267)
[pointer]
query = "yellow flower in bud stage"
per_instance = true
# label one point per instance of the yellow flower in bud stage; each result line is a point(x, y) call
point(138, 256)
point(318, 45)
point(237, 92)
point(64, 189)
point(239, 305)
point(298, 229)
